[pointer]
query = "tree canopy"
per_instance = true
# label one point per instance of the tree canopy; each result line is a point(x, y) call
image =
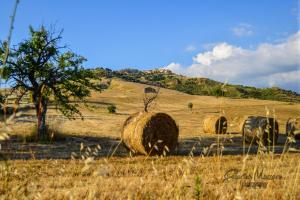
point(49, 71)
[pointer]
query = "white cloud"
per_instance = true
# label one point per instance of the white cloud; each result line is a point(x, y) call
point(174, 67)
point(219, 52)
point(243, 29)
point(285, 79)
point(190, 48)
point(267, 65)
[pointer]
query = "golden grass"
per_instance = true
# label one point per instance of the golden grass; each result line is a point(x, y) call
point(96, 175)
point(128, 97)
point(264, 177)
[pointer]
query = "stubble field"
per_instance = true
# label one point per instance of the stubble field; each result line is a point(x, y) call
point(91, 163)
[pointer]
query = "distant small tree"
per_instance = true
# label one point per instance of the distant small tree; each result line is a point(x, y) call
point(49, 72)
point(190, 106)
point(111, 109)
point(150, 95)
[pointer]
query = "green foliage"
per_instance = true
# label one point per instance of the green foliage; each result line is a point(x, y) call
point(217, 91)
point(112, 109)
point(154, 77)
point(39, 63)
point(129, 74)
point(100, 72)
point(49, 71)
point(2, 98)
point(198, 189)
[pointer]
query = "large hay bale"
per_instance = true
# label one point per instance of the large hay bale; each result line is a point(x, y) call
point(259, 129)
point(215, 124)
point(293, 127)
point(150, 133)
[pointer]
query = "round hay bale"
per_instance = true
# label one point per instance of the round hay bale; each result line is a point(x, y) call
point(259, 129)
point(215, 124)
point(293, 127)
point(150, 133)
point(241, 123)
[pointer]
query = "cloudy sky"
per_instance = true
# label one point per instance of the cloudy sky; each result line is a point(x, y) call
point(267, 65)
point(252, 42)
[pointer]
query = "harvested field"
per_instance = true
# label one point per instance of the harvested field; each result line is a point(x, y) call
point(155, 178)
point(90, 162)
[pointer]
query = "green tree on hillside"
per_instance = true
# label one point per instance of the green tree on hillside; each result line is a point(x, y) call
point(49, 72)
point(217, 91)
point(190, 106)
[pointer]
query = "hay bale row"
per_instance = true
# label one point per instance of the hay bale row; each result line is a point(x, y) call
point(215, 124)
point(157, 133)
point(150, 133)
point(260, 130)
point(293, 127)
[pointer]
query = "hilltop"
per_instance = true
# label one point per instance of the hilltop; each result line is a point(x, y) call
point(197, 86)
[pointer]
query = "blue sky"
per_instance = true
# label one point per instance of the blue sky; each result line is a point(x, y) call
point(177, 34)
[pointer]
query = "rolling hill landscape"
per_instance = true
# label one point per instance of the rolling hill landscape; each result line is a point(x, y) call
point(197, 86)
point(90, 160)
point(70, 130)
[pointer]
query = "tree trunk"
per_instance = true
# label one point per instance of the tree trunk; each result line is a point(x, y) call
point(41, 111)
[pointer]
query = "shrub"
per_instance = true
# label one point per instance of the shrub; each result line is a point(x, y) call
point(217, 91)
point(190, 106)
point(111, 109)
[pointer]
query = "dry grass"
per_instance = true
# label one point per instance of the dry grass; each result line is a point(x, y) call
point(203, 167)
point(128, 97)
point(264, 177)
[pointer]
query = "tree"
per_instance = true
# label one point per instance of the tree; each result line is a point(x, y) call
point(111, 108)
point(150, 95)
point(190, 106)
point(217, 91)
point(49, 72)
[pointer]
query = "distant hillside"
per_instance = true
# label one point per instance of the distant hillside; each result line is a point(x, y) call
point(197, 86)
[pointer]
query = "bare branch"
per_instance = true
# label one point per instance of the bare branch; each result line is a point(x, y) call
point(149, 98)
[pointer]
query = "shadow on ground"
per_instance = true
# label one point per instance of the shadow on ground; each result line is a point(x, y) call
point(99, 147)
point(230, 145)
point(77, 146)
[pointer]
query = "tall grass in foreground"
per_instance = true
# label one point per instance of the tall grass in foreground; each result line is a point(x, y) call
point(155, 178)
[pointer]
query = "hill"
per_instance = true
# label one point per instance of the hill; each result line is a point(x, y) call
point(198, 86)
